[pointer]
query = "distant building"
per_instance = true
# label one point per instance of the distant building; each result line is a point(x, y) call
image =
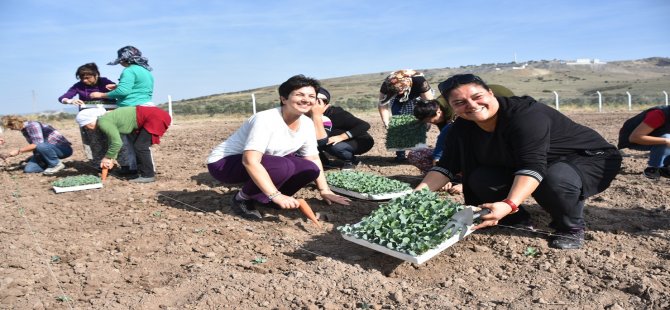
point(586, 61)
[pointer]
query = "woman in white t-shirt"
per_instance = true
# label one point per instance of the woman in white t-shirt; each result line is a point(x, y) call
point(274, 153)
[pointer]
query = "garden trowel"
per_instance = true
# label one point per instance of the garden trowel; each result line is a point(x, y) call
point(461, 221)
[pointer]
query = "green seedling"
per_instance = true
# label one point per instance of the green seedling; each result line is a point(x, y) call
point(200, 231)
point(531, 252)
point(22, 211)
point(411, 224)
point(364, 182)
point(63, 298)
point(76, 180)
point(157, 214)
point(55, 259)
point(258, 260)
point(404, 132)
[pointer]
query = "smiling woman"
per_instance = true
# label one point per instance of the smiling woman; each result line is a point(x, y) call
point(274, 153)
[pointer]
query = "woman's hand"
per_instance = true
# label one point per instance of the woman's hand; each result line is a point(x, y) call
point(336, 139)
point(453, 189)
point(331, 197)
point(498, 211)
point(107, 163)
point(13, 153)
point(286, 202)
point(110, 86)
point(96, 95)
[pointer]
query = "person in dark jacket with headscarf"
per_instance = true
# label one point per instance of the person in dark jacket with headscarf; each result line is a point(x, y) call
point(338, 132)
point(509, 148)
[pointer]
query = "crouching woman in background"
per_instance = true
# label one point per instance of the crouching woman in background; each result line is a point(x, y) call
point(144, 127)
point(274, 153)
point(45, 142)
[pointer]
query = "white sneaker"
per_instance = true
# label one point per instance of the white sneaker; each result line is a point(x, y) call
point(54, 169)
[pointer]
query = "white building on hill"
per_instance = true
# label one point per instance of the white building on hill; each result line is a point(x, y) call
point(586, 61)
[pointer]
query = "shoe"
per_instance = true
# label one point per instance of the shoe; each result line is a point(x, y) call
point(58, 167)
point(653, 173)
point(246, 209)
point(143, 180)
point(348, 166)
point(520, 219)
point(566, 240)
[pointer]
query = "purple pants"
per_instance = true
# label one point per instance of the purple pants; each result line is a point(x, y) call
point(289, 174)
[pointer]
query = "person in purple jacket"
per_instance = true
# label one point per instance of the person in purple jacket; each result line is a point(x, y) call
point(79, 94)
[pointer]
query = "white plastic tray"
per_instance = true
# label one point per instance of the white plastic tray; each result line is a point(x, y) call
point(76, 188)
point(410, 258)
point(418, 146)
point(384, 196)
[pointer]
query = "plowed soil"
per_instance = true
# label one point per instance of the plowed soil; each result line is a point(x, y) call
point(176, 244)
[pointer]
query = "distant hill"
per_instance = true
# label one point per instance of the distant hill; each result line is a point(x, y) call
point(644, 79)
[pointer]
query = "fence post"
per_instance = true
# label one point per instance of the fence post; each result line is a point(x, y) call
point(630, 103)
point(600, 101)
point(666, 97)
point(170, 109)
point(253, 101)
point(556, 96)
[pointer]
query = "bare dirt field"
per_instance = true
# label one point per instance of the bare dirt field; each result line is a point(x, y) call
point(176, 244)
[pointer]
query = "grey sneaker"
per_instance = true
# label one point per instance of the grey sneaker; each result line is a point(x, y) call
point(49, 171)
point(143, 180)
point(246, 209)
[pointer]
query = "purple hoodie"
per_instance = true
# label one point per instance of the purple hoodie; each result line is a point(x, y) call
point(84, 91)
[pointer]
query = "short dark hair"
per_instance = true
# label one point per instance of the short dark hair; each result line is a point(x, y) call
point(89, 68)
point(425, 109)
point(297, 82)
point(454, 81)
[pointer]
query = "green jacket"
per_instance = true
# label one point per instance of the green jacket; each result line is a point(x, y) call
point(121, 121)
point(135, 87)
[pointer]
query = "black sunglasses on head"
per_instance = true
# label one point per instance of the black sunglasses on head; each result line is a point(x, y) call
point(459, 79)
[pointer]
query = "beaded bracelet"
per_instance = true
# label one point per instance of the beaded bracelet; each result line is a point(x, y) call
point(273, 195)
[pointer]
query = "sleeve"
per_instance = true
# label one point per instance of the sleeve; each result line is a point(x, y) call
point(441, 139)
point(125, 85)
point(107, 126)
point(351, 124)
point(34, 133)
point(450, 161)
point(654, 118)
point(69, 94)
point(421, 83)
point(259, 135)
point(529, 138)
point(309, 146)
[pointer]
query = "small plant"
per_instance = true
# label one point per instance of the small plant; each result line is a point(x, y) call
point(259, 260)
point(22, 211)
point(157, 214)
point(531, 252)
point(63, 298)
point(76, 180)
point(200, 231)
point(55, 259)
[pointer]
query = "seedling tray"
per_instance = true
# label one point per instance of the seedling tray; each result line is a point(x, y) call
point(420, 259)
point(364, 196)
point(76, 188)
point(415, 147)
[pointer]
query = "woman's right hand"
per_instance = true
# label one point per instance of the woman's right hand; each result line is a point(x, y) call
point(286, 202)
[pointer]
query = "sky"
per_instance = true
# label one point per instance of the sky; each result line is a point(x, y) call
point(203, 47)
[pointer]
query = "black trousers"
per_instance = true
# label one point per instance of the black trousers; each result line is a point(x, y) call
point(141, 144)
point(559, 193)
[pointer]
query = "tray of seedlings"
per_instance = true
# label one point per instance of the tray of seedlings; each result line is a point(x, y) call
point(76, 183)
point(405, 132)
point(414, 227)
point(366, 186)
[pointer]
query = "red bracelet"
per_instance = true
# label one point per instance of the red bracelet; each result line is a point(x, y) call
point(511, 205)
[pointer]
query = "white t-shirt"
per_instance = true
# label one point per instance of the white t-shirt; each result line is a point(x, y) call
point(267, 133)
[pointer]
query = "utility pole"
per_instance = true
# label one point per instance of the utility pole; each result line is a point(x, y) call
point(34, 102)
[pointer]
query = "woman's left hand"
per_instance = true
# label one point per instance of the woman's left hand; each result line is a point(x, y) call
point(331, 197)
point(96, 95)
point(335, 139)
point(107, 163)
point(498, 211)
